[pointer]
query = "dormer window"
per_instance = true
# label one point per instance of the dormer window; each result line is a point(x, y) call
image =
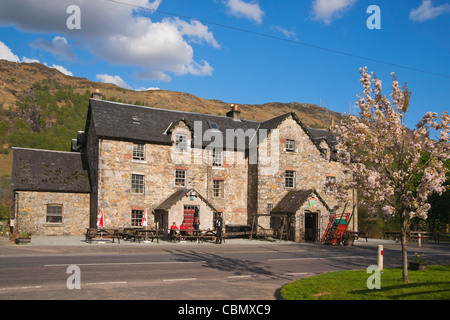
point(217, 160)
point(181, 142)
point(290, 145)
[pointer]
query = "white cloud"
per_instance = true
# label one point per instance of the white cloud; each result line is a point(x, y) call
point(288, 34)
point(248, 10)
point(117, 80)
point(116, 33)
point(426, 11)
point(28, 60)
point(6, 53)
point(62, 70)
point(147, 89)
point(329, 10)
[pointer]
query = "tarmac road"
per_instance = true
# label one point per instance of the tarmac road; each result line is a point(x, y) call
point(238, 270)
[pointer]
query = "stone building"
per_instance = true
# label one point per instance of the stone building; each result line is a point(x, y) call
point(133, 159)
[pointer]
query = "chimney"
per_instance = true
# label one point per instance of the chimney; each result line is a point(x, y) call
point(97, 95)
point(234, 112)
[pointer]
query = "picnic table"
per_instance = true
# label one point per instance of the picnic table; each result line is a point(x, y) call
point(92, 233)
point(194, 235)
point(147, 234)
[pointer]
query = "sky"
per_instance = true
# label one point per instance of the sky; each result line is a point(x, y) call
point(241, 51)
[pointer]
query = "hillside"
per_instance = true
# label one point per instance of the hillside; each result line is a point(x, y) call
point(42, 108)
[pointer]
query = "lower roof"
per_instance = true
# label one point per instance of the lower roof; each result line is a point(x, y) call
point(49, 171)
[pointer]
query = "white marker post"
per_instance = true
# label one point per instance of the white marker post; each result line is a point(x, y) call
point(380, 257)
point(419, 241)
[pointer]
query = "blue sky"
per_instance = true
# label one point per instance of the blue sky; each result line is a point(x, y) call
point(240, 51)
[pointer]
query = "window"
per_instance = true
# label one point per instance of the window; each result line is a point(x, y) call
point(290, 145)
point(180, 178)
point(330, 183)
point(269, 208)
point(138, 151)
point(217, 159)
point(54, 213)
point(137, 183)
point(324, 154)
point(181, 142)
point(218, 188)
point(214, 126)
point(136, 217)
point(289, 179)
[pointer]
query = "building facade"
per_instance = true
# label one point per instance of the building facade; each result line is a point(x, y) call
point(133, 159)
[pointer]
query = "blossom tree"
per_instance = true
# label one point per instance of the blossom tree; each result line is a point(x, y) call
point(394, 168)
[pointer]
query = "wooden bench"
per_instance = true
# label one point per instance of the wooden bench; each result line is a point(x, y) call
point(358, 234)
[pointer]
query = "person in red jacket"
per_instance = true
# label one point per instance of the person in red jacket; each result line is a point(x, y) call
point(173, 231)
point(183, 229)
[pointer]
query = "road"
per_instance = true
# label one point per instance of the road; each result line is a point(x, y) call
point(252, 270)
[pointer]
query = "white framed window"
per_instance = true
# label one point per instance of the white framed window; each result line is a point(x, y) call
point(218, 189)
point(136, 217)
point(180, 178)
point(137, 183)
point(217, 158)
point(289, 179)
point(181, 142)
point(324, 153)
point(54, 213)
point(139, 151)
point(290, 145)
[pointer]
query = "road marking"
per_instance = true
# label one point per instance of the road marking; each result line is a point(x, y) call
point(187, 279)
point(106, 283)
point(243, 276)
point(295, 273)
point(119, 263)
point(294, 259)
point(20, 288)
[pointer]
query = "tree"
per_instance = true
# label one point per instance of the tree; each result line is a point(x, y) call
point(384, 156)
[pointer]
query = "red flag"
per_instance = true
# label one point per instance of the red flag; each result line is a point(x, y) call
point(144, 219)
point(101, 220)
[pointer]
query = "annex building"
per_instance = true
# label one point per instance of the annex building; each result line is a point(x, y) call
point(133, 159)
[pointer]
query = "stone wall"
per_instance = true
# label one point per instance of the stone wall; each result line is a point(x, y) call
point(31, 212)
point(116, 166)
point(311, 171)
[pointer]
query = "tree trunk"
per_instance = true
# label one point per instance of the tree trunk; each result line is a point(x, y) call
point(404, 227)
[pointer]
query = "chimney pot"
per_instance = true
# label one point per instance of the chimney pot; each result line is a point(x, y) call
point(96, 95)
point(234, 112)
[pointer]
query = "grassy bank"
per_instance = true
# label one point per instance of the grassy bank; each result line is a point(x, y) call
point(432, 284)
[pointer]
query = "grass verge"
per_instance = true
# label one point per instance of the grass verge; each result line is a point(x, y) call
point(432, 284)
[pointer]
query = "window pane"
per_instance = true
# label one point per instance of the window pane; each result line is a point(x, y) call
point(54, 213)
point(137, 183)
point(290, 179)
point(136, 217)
point(181, 142)
point(180, 178)
point(217, 158)
point(138, 151)
point(218, 188)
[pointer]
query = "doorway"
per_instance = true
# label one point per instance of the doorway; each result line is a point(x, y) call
point(311, 226)
point(191, 217)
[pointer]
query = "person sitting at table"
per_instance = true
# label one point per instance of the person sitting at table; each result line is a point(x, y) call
point(183, 228)
point(173, 231)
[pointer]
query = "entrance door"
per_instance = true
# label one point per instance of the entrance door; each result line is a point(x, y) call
point(311, 226)
point(189, 216)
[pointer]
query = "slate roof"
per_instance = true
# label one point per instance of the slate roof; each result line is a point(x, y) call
point(177, 196)
point(146, 124)
point(45, 170)
point(294, 199)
